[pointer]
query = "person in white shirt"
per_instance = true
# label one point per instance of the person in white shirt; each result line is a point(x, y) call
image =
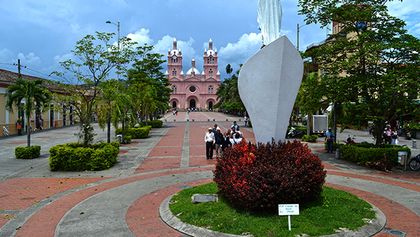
point(236, 138)
point(209, 140)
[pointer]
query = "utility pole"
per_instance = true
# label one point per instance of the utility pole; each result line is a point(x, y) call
point(297, 36)
point(18, 65)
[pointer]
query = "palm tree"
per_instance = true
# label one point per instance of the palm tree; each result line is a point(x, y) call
point(34, 95)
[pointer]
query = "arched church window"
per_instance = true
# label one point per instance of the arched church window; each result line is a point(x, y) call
point(210, 90)
point(174, 89)
point(211, 72)
point(174, 72)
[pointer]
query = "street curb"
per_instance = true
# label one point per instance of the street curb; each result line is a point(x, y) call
point(166, 215)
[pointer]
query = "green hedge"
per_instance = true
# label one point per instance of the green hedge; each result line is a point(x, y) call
point(138, 133)
point(135, 133)
point(27, 152)
point(154, 123)
point(76, 157)
point(382, 157)
point(309, 138)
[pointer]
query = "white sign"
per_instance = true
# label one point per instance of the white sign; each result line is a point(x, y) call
point(288, 209)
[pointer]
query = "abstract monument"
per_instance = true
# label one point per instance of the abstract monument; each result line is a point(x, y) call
point(269, 81)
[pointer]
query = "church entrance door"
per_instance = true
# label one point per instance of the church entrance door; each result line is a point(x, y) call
point(174, 104)
point(211, 105)
point(192, 103)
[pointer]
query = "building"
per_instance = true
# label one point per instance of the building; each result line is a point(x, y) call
point(56, 115)
point(193, 90)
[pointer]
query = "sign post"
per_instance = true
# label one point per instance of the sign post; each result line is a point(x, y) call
point(289, 210)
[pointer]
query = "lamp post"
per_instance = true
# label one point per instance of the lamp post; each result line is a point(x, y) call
point(118, 31)
point(297, 35)
point(118, 48)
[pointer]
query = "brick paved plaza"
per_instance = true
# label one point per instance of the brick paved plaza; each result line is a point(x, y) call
point(124, 200)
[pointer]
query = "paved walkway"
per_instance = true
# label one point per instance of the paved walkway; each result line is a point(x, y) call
point(124, 200)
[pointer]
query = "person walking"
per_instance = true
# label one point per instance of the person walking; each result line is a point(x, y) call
point(329, 137)
point(209, 140)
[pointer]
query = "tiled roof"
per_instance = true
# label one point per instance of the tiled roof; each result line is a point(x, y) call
point(8, 78)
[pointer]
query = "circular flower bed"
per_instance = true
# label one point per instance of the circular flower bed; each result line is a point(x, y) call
point(258, 178)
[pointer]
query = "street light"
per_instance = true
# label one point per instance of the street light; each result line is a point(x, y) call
point(297, 35)
point(118, 31)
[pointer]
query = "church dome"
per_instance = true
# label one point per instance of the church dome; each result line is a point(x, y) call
point(193, 70)
point(196, 72)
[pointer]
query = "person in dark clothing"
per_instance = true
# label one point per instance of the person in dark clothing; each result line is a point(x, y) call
point(219, 139)
point(226, 140)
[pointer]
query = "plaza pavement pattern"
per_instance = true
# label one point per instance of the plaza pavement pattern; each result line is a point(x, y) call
point(124, 200)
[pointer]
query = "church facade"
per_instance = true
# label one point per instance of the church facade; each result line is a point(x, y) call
point(193, 89)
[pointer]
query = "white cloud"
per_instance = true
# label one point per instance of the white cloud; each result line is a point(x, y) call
point(238, 52)
point(141, 36)
point(404, 9)
point(29, 59)
point(6, 56)
point(186, 47)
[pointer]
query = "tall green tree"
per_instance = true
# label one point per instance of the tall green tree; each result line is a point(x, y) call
point(148, 85)
point(108, 97)
point(228, 94)
point(34, 96)
point(95, 56)
point(310, 97)
point(371, 64)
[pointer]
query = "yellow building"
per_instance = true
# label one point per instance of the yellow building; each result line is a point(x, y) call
point(57, 115)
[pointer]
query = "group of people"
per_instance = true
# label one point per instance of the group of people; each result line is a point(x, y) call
point(390, 136)
point(215, 139)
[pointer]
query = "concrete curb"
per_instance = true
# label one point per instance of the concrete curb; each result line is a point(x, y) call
point(166, 215)
point(191, 230)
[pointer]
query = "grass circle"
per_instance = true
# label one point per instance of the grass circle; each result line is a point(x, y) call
point(335, 210)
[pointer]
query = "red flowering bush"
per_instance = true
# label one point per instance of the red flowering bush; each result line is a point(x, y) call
point(258, 178)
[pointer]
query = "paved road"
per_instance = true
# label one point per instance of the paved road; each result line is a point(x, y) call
point(123, 201)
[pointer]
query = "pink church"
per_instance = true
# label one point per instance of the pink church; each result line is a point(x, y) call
point(193, 89)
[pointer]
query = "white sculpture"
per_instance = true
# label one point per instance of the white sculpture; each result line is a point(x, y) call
point(269, 81)
point(269, 19)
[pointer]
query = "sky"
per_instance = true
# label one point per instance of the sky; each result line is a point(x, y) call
point(41, 33)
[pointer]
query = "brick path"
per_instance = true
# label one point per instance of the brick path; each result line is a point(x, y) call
point(150, 170)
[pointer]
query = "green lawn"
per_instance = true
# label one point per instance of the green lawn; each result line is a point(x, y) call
point(335, 209)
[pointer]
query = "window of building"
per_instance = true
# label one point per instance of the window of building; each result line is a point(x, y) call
point(174, 89)
point(211, 72)
point(210, 60)
point(193, 88)
point(174, 72)
point(210, 90)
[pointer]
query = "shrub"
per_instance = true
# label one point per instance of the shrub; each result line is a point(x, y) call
point(382, 157)
point(259, 178)
point(309, 138)
point(126, 139)
point(154, 123)
point(76, 157)
point(135, 133)
point(27, 152)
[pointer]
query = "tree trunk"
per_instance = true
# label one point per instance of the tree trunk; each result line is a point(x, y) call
point(109, 128)
point(28, 130)
point(335, 122)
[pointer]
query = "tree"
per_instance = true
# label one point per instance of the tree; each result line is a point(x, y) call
point(371, 65)
point(148, 84)
point(310, 97)
point(34, 95)
point(94, 58)
point(107, 103)
point(228, 94)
